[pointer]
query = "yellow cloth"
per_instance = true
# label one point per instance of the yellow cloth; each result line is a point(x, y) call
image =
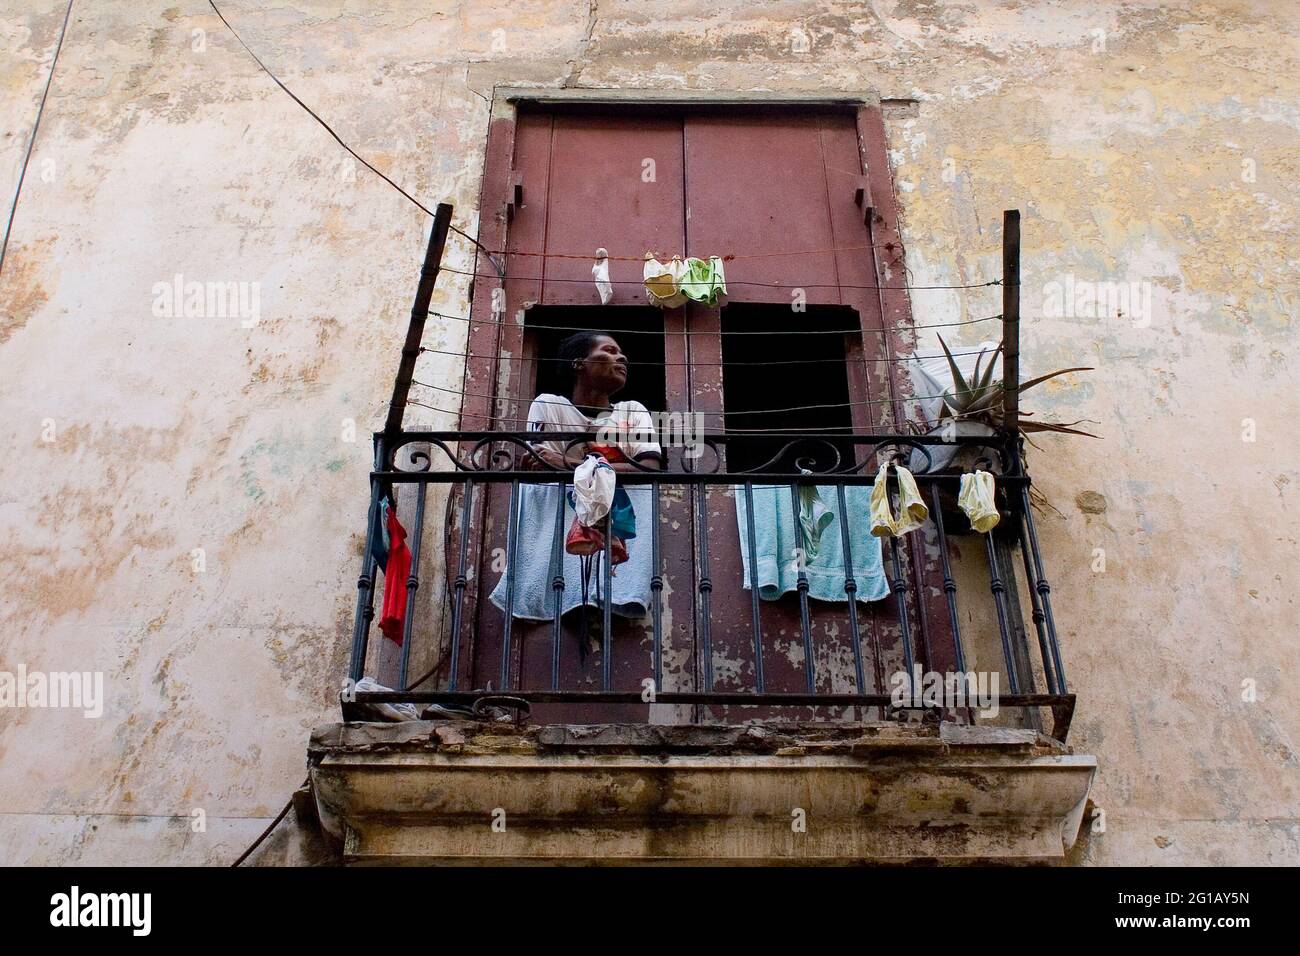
point(912, 510)
point(976, 499)
point(663, 282)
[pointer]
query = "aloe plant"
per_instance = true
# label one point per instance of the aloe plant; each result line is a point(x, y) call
point(980, 397)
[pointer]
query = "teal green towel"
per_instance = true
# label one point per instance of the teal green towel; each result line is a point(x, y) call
point(775, 541)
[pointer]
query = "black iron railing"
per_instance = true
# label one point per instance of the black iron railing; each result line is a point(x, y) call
point(479, 461)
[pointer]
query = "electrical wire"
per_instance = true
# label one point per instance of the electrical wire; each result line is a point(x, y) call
point(36, 125)
point(500, 266)
point(338, 139)
point(267, 832)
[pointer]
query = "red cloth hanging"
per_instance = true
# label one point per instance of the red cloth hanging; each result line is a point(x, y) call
point(395, 574)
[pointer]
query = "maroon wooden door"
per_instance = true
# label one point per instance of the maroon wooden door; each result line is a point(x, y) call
point(803, 202)
point(779, 192)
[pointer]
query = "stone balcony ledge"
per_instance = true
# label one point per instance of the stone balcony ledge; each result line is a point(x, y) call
point(456, 792)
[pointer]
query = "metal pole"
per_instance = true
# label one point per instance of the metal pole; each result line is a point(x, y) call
point(1011, 320)
point(419, 312)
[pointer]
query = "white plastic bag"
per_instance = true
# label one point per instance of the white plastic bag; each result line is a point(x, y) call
point(593, 490)
point(663, 282)
point(976, 499)
point(600, 272)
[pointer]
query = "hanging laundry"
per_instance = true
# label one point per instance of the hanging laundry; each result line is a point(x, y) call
point(912, 511)
point(392, 620)
point(814, 517)
point(704, 281)
point(663, 281)
point(622, 517)
point(976, 499)
point(600, 272)
point(775, 534)
point(669, 285)
point(379, 540)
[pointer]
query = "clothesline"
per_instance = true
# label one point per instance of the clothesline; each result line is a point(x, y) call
point(754, 411)
point(749, 282)
point(828, 431)
point(587, 328)
point(730, 257)
point(836, 361)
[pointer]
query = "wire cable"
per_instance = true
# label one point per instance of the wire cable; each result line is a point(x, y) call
point(814, 361)
point(753, 411)
point(825, 430)
point(36, 125)
point(756, 283)
point(338, 139)
point(500, 266)
point(267, 832)
point(587, 328)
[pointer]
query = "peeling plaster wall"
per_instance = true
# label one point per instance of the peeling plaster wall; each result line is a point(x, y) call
point(137, 444)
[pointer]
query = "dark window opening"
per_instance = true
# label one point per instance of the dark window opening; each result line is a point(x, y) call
point(641, 341)
point(796, 368)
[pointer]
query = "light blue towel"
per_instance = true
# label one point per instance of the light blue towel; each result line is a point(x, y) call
point(775, 541)
point(534, 597)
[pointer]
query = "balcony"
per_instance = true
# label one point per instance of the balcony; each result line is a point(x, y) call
point(701, 730)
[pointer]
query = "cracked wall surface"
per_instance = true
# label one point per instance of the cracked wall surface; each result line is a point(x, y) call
point(1144, 142)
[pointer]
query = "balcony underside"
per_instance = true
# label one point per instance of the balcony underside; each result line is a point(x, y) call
point(425, 792)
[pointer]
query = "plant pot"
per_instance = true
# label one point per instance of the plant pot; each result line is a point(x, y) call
point(954, 457)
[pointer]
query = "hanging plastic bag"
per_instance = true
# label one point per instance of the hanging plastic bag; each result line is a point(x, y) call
point(912, 511)
point(976, 499)
point(663, 282)
point(882, 519)
point(600, 272)
point(593, 487)
point(703, 280)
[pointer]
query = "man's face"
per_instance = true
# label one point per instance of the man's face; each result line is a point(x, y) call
point(605, 366)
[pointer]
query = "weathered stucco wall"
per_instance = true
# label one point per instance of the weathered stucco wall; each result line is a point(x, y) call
point(1153, 143)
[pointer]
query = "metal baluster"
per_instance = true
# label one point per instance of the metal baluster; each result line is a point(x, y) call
point(461, 582)
point(1036, 604)
point(753, 586)
point(705, 585)
point(606, 622)
point(949, 585)
point(412, 583)
point(366, 581)
point(850, 586)
point(656, 589)
point(899, 586)
point(805, 618)
point(557, 586)
point(1044, 591)
point(999, 599)
point(512, 548)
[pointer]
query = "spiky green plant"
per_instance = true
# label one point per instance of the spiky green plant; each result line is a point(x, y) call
point(980, 398)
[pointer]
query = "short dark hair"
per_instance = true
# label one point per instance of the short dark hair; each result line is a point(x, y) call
point(573, 349)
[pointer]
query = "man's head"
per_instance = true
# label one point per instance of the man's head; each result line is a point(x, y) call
point(595, 360)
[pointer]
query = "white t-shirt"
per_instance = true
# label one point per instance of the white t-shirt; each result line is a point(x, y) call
point(629, 424)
